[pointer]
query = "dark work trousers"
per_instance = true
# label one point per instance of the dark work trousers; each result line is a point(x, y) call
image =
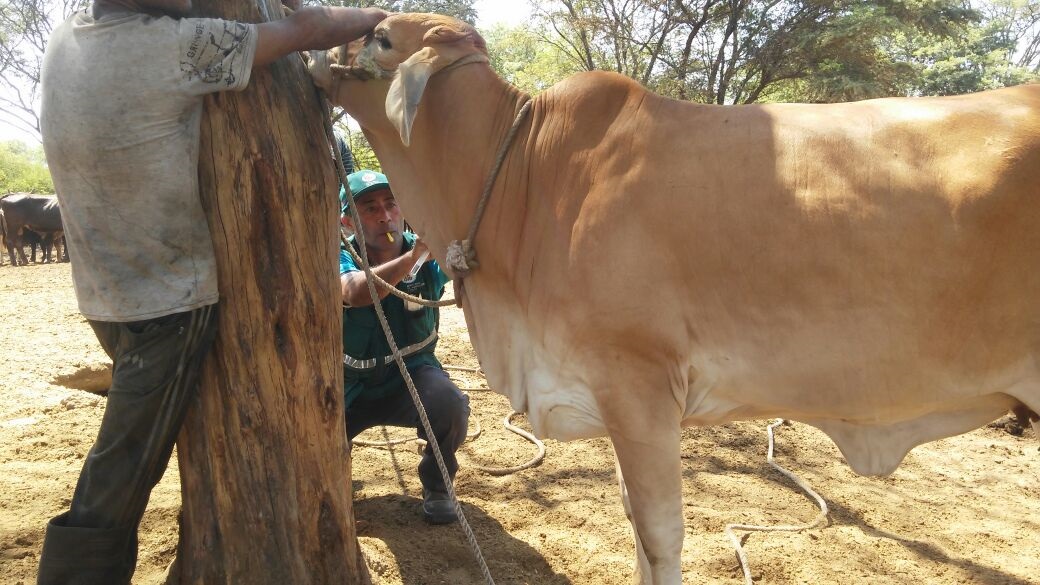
point(446, 407)
point(155, 371)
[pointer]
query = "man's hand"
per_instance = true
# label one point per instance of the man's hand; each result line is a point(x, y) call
point(418, 250)
point(312, 27)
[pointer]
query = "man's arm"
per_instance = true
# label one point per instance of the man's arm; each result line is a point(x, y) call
point(355, 289)
point(313, 27)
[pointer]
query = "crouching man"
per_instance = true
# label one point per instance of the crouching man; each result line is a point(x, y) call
point(376, 393)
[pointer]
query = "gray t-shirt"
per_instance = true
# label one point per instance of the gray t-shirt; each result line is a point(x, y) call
point(122, 104)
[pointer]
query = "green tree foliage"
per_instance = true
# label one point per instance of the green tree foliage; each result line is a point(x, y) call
point(1017, 24)
point(910, 51)
point(521, 57)
point(975, 61)
point(22, 169)
point(742, 51)
point(360, 149)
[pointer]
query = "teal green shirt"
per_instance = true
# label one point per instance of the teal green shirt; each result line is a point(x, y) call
point(367, 373)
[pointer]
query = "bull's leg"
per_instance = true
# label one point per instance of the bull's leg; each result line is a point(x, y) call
point(650, 478)
point(15, 243)
point(46, 246)
point(642, 565)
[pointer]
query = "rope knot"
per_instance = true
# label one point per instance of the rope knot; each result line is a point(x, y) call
point(461, 258)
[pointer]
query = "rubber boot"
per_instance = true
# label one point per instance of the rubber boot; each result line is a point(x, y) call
point(86, 556)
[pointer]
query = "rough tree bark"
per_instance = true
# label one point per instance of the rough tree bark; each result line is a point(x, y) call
point(263, 455)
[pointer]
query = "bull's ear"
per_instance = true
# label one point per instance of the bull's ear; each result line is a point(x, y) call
point(443, 46)
point(402, 100)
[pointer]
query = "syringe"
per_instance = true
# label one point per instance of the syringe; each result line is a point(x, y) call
point(418, 264)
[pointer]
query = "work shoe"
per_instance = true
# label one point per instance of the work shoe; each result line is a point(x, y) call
point(437, 507)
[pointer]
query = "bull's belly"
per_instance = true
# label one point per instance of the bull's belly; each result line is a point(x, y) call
point(560, 406)
point(874, 414)
point(552, 390)
point(874, 421)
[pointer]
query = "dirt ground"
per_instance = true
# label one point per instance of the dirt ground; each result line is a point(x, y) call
point(961, 510)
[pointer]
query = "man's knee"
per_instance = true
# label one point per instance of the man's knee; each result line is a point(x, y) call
point(450, 400)
point(442, 399)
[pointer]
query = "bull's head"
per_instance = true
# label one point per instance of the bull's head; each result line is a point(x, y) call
point(409, 49)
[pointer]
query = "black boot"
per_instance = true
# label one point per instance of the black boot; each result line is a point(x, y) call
point(87, 556)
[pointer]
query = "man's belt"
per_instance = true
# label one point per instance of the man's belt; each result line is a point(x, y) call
point(364, 365)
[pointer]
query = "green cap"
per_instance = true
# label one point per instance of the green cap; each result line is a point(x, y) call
point(362, 182)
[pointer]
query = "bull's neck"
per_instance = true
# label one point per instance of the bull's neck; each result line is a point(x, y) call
point(464, 118)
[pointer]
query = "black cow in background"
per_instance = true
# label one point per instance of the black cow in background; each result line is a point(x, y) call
point(23, 214)
point(29, 238)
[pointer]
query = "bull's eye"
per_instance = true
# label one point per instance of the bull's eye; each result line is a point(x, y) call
point(384, 43)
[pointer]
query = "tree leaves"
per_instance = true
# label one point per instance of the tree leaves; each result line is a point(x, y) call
point(743, 51)
point(22, 169)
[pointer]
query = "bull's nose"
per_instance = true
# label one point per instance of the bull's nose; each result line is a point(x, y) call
point(366, 63)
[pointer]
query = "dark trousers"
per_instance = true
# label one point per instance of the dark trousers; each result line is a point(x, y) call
point(155, 370)
point(446, 407)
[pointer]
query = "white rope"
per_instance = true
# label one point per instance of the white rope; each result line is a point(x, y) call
point(820, 518)
point(471, 538)
point(536, 460)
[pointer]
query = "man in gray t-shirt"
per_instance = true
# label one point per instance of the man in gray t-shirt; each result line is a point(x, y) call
point(123, 85)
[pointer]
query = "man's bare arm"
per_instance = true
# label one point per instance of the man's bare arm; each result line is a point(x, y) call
point(313, 27)
point(355, 289)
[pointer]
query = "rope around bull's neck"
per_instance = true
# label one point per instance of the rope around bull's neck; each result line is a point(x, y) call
point(461, 256)
point(471, 538)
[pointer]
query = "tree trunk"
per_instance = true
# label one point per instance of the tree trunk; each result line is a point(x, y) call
point(264, 461)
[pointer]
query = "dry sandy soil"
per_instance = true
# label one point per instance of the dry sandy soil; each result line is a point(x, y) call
point(962, 510)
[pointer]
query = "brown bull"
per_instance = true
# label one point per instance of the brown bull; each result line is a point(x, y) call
point(872, 269)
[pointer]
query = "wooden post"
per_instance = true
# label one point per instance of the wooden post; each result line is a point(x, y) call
point(264, 462)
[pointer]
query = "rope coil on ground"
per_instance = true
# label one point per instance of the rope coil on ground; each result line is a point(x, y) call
point(507, 422)
point(820, 518)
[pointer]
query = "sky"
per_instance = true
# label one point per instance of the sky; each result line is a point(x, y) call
point(489, 14)
point(507, 12)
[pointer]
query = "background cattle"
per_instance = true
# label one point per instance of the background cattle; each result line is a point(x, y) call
point(34, 220)
point(46, 243)
point(867, 268)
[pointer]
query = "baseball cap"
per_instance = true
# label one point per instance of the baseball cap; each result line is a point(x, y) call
point(362, 182)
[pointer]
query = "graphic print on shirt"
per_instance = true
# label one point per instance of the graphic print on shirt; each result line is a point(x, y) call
point(214, 47)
